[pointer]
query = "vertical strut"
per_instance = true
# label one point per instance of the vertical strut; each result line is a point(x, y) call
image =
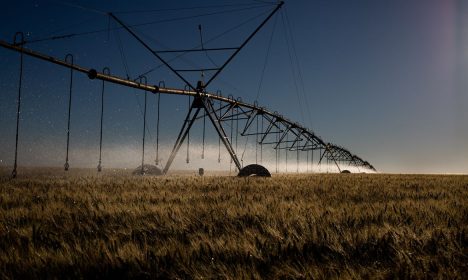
point(210, 111)
point(320, 159)
point(202, 102)
point(189, 120)
point(69, 56)
point(18, 109)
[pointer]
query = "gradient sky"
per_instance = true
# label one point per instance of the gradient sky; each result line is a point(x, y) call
point(386, 79)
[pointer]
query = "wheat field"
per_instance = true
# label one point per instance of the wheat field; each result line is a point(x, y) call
point(319, 226)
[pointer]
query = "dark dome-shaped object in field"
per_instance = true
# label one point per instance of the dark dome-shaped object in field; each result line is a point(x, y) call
point(345, 171)
point(148, 169)
point(254, 170)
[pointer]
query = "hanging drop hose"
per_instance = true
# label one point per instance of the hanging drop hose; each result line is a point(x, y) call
point(286, 149)
point(261, 145)
point(203, 138)
point(219, 139)
point(312, 160)
point(105, 71)
point(188, 136)
point(297, 168)
point(18, 110)
point(67, 58)
point(144, 127)
point(232, 129)
point(256, 143)
point(237, 125)
point(276, 150)
point(157, 126)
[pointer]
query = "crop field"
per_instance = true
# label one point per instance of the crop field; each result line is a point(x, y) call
point(82, 225)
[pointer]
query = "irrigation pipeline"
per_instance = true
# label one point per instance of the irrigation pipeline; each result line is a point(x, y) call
point(331, 151)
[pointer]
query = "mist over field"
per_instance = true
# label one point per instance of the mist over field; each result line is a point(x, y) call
point(129, 157)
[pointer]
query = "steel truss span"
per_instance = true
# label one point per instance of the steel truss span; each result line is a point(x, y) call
point(278, 131)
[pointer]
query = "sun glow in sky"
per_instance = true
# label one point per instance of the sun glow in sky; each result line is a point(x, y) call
point(386, 79)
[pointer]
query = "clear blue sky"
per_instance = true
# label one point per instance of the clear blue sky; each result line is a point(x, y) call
point(386, 79)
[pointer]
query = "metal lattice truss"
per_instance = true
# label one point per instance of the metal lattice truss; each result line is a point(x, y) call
point(275, 130)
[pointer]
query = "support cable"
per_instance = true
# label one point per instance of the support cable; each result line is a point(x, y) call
point(18, 109)
point(91, 32)
point(301, 80)
point(266, 59)
point(203, 47)
point(128, 74)
point(293, 70)
point(208, 41)
point(122, 55)
point(245, 43)
point(67, 58)
point(192, 8)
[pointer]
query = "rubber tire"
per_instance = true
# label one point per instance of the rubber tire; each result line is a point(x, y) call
point(254, 170)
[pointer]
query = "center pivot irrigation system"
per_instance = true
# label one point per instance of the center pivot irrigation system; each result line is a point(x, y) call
point(224, 113)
